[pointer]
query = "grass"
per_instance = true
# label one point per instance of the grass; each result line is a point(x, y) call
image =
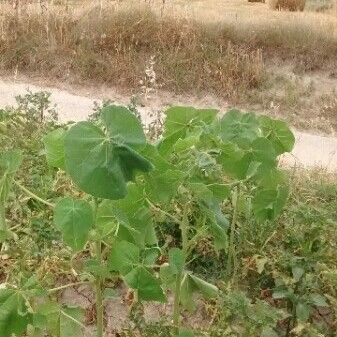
point(114, 43)
point(303, 239)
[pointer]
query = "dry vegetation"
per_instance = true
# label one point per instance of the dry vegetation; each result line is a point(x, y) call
point(228, 48)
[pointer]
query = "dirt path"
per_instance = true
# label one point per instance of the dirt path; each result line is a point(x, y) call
point(310, 150)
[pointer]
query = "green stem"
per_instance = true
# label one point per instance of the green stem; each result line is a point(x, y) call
point(33, 195)
point(99, 294)
point(3, 225)
point(179, 278)
point(231, 260)
point(176, 303)
point(99, 282)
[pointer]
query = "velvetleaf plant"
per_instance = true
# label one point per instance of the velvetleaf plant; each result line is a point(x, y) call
point(194, 177)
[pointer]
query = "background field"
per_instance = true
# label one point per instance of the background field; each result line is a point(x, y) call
point(239, 53)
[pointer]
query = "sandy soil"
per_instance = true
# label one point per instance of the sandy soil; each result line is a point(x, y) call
point(311, 150)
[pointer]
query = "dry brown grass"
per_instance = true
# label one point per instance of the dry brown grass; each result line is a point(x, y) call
point(194, 51)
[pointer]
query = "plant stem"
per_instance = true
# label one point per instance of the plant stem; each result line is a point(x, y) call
point(231, 260)
point(99, 295)
point(99, 281)
point(33, 195)
point(3, 225)
point(53, 290)
point(183, 225)
point(176, 303)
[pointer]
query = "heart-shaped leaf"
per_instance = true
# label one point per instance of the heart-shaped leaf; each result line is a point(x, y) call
point(147, 285)
point(54, 145)
point(74, 219)
point(102, 161)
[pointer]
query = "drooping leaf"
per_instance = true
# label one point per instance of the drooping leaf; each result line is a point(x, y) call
point(101, 162)
point(124, 255)
point(191, 285)
point(209, 204)
point(147, 285)
point(54, 146)
point(278, 133)
point(269, 202)
point(10, 162)
point(131, 215)
point(74, 218)
point(14, 315)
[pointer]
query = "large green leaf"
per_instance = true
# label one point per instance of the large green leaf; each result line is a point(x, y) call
point(263, 150)
point(124, 255)
point(163, 186)
point(181, 119)
point(111, 220)
point(74, 218)
point(57, 320)
point(238, 127)
point(147, 285)
point(102, 161)
point(278, 133)
point(14, 316)
point(54, 146)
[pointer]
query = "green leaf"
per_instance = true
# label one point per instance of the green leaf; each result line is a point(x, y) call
point(220, 191)
point(302, 312)
point(167, 276)
point(147, 285)
point(123, 124)
point(192, 284)
point(185, 333)
point(10, 162)
point(61, 321)
point(162, 187)
point(54, 145)
point(14, 316)
point(268, 332)
point(111, 220)
point(132, 216)
point(269, 202)
point(101, 162)
point(176, 260)
point(238, 127)
point(297, 272)
point(278, 133)
point(124, 255)
point(318, 300)
point(263, 150)
point(182, 119)
point(74, 219)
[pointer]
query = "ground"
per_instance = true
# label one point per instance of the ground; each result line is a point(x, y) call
point(150, 56)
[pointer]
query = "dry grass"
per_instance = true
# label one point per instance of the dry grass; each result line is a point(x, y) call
point(195, 49)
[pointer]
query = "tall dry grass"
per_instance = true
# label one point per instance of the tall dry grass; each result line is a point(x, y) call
point(112, 44)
